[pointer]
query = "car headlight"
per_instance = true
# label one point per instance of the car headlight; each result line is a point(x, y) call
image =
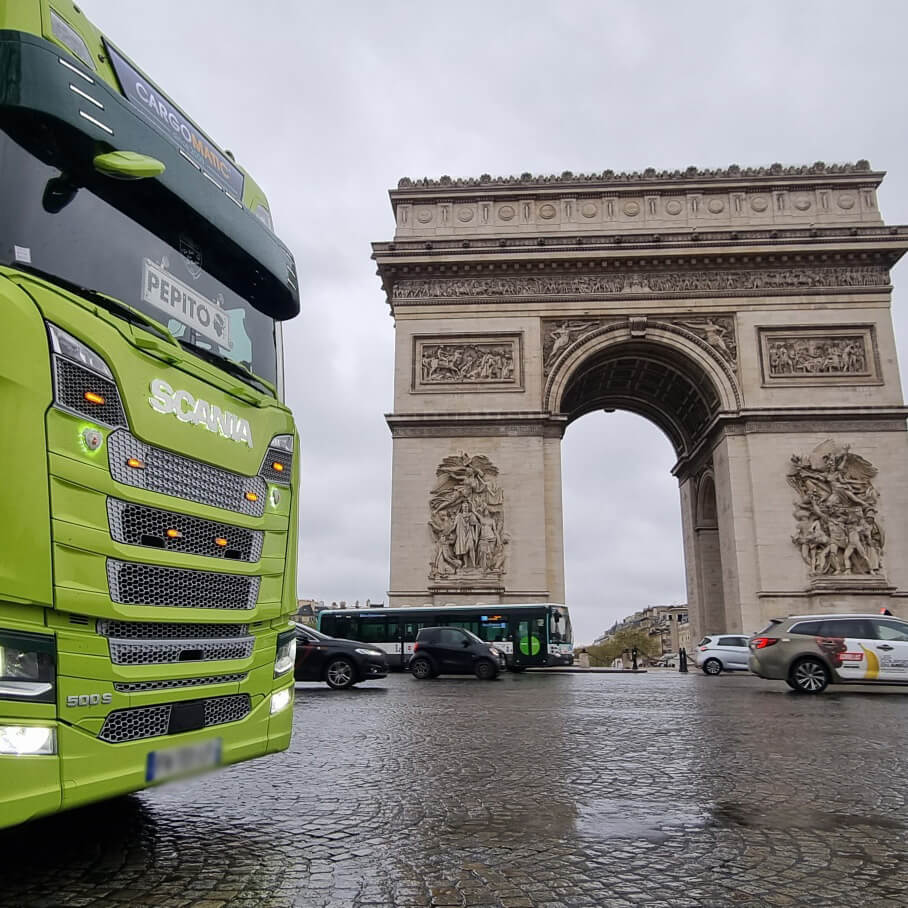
point(83, 382)
point(369, 652)
point(281, 699)
point(27, 740)
point(27, 666)
point(494, 652)
point(285, 658)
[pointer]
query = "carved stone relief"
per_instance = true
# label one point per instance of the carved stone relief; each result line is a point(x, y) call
point(483, 362)
point(717, 331)
point(838, 530)
point(650, 283)
point(818, 355)
point(466, 520)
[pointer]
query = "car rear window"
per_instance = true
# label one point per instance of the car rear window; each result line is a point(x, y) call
point(773, 624)
point(705, 641)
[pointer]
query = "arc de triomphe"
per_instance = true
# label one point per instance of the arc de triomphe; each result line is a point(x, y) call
point(746, 312)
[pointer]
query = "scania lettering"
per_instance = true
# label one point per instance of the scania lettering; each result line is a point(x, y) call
point(199, 412)
point(148, 567)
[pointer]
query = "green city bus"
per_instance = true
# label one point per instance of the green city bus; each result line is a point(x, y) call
point(531, 634)
point(149, 478)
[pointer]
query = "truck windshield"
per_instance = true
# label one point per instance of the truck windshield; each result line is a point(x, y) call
point(131, 240)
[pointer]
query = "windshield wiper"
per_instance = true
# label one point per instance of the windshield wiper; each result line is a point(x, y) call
point(228, 365)
point(115, 307)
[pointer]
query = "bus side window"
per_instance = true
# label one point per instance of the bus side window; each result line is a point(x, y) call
point(411, 628)
point(392, 630)
point(372, 629)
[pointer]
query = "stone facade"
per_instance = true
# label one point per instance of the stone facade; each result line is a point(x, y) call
point(745, 312)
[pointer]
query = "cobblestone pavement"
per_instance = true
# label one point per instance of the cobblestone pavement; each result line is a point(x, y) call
point(535, 790)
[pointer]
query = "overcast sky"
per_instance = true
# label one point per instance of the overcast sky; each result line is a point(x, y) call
point(328, 104)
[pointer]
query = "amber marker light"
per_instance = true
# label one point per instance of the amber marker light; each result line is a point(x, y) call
point(251, 496)
point(93, 397)
point(220, 541)
point(278, 466)
point(135, 463)
point(174, 534)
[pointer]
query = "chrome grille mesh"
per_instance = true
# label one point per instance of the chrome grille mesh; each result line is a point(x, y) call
point(135, 524)
point(219, 710)
point(152, 721)
point(162, 652)
point(148, 584)
point(182, 477)
point(284, 458)
point(71, 381)
point(134, 687)
point(154, 630)
point(131, 724)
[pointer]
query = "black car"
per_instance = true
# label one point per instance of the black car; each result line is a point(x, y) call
point(454, 651)
point(340, 663)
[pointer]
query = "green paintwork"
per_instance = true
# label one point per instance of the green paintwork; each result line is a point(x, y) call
point(128, 165)
point(53, 503)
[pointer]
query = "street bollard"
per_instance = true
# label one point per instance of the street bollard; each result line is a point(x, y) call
point(682, 660)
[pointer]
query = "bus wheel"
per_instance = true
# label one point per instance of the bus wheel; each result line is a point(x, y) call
point(421, 669)
point(486, 671)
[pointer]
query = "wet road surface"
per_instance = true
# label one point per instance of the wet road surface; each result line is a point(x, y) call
point(534, 790)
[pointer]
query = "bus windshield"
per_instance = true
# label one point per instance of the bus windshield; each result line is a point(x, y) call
point(134, 241)
point(560, 626)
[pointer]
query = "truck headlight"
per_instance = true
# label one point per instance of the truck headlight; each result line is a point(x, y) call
point(285, 658)
point(27, 666)
point(280, 700)
point(27, 740)
point(83, 382)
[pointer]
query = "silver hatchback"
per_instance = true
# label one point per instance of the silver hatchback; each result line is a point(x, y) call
point(718, 653)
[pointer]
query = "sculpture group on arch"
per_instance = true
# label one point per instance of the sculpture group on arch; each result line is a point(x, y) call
point(838, 529)
point(466, 519)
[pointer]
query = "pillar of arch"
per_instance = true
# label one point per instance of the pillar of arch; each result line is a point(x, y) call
point(746, 314)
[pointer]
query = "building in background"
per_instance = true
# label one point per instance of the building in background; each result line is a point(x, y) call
point(667, 625)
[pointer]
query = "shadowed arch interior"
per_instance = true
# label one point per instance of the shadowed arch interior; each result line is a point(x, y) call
point(651, 380)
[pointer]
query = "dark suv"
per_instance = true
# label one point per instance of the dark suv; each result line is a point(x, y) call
point(454, 651)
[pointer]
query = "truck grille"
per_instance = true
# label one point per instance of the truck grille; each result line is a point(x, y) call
point(149, 584)
point(171, 474)
point(284, 458)
point(153, 630)
point(154, 721)
point(71, 382)
point(163, 652)
point(134, 687)
point(134, 524)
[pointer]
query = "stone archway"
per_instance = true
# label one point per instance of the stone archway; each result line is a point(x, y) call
point(744, 313)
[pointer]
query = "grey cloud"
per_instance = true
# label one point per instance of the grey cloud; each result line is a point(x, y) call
point(328, 104)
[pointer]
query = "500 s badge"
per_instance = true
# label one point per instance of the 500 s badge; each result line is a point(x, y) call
point(89, 699)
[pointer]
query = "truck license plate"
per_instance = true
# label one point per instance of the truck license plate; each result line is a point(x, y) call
point(178, 761)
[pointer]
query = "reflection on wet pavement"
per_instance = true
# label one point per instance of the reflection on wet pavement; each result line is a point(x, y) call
point(535, 790)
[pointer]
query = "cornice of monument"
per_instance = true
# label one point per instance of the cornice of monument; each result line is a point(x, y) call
point(609, 179)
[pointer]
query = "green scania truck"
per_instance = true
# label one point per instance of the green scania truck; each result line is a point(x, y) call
point(148, 467)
